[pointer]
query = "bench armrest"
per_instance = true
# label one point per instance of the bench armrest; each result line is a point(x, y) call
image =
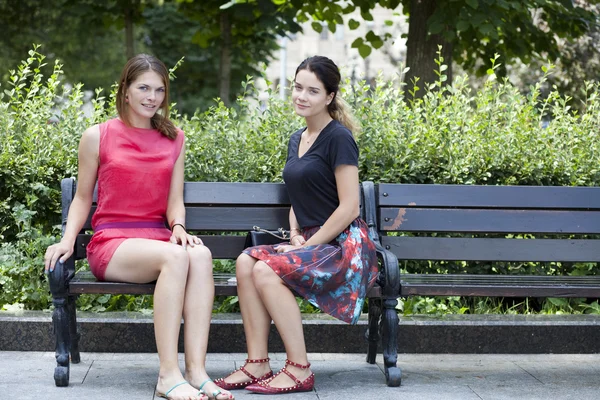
point(63, 272)
point(60, 277)
point(389, 274)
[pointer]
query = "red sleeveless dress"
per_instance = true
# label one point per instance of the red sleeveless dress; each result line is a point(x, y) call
point(134, 178)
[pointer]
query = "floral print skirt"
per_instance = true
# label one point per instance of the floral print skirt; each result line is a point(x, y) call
point(334, 277)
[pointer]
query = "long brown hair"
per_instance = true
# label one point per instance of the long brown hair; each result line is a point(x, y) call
point(329, 74)
point(136, 66)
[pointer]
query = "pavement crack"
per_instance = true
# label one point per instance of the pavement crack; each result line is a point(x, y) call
point(474, 392)
point(87, 372)
point(530, 374)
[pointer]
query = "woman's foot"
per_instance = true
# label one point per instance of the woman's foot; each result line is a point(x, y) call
point(208, 387)
point(174, 388)
point(293, 377)
point(253, 371)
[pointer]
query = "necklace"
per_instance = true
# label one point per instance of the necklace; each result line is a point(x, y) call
point(314, 135)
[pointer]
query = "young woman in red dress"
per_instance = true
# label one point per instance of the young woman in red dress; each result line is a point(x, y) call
point(138, 161)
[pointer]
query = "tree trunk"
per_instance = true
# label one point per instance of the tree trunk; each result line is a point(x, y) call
point(421, 48)
point(225, 70)
point(129, 49)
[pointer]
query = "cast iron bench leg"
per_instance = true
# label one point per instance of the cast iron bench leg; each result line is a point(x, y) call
point(60, 320)
point(372, 332)
point(391, 291)
point(73, 333)
point(393, 375)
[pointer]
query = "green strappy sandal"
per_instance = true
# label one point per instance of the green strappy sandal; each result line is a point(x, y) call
point(166, 394)
point(214, 393)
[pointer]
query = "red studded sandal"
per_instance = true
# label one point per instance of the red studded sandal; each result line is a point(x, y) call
point(241, 385)
point(301, 386)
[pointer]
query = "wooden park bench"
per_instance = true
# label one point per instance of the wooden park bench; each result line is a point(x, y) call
point(480, 224)
point(223, 209)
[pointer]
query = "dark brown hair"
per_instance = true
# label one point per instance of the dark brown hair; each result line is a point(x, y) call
point(329, 75)
point(135, 67)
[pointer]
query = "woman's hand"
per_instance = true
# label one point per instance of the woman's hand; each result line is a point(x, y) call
point(284, 248)
point(297, 240)
point(180, 236)
point(60, 250)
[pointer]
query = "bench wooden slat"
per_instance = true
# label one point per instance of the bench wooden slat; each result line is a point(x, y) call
point(221, 246)
point(480, 196)
point(237, 193)
point(232, 193)
point(500, 285)
point(484, 249)
point(229, 218)
point(236, 218)
point(85, 283)
point(488, 221)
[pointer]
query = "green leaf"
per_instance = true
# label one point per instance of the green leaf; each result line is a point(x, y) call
point(353, 24)
point(558, 301)
point(462, 25)
point(486, 29)
point(473, 3)
point(371, 36)
point(478, 19)
point(364, 50)
point(317, 26)
point(357, 43)
point(436, 27)
point(366, 16)
point(377, 43)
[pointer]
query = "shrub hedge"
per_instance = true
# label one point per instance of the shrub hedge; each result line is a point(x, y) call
point(494, 136)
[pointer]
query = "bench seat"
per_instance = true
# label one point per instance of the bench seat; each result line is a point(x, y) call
point(499, 285)
point(85, 283)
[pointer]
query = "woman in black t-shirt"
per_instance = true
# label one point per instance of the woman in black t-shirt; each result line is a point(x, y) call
point(330, 259)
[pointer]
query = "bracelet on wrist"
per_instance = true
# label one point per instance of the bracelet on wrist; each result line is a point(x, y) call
point(181, 225)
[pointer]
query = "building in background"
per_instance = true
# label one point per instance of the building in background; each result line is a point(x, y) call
point(337, 46)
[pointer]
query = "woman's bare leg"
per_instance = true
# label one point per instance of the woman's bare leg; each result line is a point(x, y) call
point(197, 310)
point(257, 321)
point(281, 305)
point(144, 260)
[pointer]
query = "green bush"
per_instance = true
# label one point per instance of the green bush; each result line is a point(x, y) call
point(495, 135)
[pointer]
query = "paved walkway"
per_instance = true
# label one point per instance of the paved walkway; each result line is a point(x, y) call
point(28, 375)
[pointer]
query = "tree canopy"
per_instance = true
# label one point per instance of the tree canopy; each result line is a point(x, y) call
point(470, 32)
point(224, 41)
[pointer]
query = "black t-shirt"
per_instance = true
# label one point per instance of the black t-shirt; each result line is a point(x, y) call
point(310, 179)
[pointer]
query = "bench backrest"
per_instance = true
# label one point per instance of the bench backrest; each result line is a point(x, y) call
point(568, 213)
point(213, 207)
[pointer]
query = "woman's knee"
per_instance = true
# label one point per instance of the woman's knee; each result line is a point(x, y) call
point(263, 275)
point(200, 255)
point(243, 267)
point(176, 258)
